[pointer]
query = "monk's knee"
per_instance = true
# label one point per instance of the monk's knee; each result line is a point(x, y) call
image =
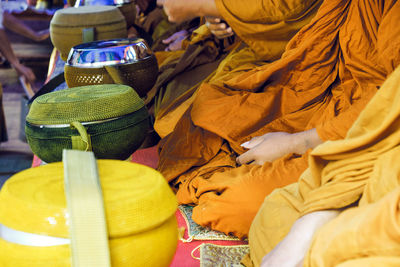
point(230, 211)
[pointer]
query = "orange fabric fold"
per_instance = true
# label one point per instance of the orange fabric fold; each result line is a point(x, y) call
point(328, 73)
point(360, 169)
point(266, 25)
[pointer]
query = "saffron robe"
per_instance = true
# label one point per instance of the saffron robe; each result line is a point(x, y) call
point(264, 33)
point(328, 73)
point(362, 168)
point(375, 227)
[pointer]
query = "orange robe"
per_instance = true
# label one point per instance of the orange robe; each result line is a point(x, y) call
point(328, 73)
point(263, 33)
point(361, 170)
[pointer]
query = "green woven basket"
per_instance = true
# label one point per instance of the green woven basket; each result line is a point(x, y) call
point(110, 120)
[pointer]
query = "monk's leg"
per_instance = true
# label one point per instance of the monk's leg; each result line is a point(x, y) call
point(298, 240)
point(229, 200)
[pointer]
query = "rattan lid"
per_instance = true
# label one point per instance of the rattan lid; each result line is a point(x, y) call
point(84, 104)
point(136, 199)
point(87, 16)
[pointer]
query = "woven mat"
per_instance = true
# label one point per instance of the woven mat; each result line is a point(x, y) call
point(215, 255)
point(197, 232)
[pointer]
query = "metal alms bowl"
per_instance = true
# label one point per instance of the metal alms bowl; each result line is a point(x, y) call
point(122, 61)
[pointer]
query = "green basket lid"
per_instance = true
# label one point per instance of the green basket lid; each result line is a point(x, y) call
point(84, 104)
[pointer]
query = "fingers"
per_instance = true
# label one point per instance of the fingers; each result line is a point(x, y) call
point(212, 20)
point(223, 34)
point(219, 29)
point(252, 143)
point(245, 158)
point(169, 39)
point(181, 35)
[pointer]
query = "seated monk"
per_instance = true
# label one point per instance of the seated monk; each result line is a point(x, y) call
point(261, 38)
point(328, 73)
point(344, 211)
point(186, 63)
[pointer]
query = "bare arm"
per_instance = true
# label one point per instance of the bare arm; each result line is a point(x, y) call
point(272, 146)
point(179, 11)
point(16, 25)
point(7, 52)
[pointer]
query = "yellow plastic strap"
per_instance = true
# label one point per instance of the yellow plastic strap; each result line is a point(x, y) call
point(87, 224)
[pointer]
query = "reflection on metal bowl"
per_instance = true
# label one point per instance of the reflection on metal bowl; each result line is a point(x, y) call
point(122, 61)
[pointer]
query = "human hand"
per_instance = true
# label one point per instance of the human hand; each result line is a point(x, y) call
point(25, 71)
point(272, 146)
point(174, 42)
point(42, 35)
point(220, 29)
point(27, 75)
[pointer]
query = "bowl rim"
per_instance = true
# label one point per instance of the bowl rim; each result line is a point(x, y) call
point(119, 43)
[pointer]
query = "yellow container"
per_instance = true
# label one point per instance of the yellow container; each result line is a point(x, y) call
point(72, 26)
point(139, 206)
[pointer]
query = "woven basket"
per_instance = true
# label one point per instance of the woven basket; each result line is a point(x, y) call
point(139, 210)
point(107, 65)
point(110, 120)
point(73, 26)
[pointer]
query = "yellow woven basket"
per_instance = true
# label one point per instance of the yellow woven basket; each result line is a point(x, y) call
point(139, 209)
point(72, 26)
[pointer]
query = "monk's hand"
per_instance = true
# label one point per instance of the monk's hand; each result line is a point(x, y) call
point(218, 28)
point(271, 146)
point(174, 42)
point(291, 250)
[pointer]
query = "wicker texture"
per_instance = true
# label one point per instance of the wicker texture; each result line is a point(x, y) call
point(114, 117)
point(67, 25)
point(139, 208)
point(84, 104)
point(140, 75)
point(116, 139)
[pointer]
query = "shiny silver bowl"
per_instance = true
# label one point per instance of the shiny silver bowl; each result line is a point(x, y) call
point(123, 61)
point(123, 2)
point(108, 52)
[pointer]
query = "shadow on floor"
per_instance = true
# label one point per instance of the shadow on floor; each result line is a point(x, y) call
point(12, 162)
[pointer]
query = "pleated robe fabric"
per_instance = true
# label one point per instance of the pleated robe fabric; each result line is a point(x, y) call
point(263, 36)
point(364, 236)
point(328, 73)
point(360, 169)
